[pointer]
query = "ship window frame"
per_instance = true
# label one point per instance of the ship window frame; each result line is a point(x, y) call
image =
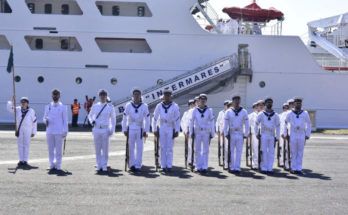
point(31, 7)
point(48, 8)
point(37, 43)
point(116, 8)
point(100, 8)
point(141, 13)
point(64, 44)
point(65, 9)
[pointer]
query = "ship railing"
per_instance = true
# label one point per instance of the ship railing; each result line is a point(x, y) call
point(331, 62)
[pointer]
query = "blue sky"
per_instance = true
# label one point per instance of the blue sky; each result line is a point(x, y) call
point(297, 12)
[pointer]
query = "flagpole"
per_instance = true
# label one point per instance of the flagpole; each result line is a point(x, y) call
point(14, 95)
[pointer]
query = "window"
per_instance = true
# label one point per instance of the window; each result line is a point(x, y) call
point(100, 7)
point(5, 7)
point(64, 44)
point(40, 79)
point(123, 45)
point(17, 78)
point(65, 9)
point(115, 10)
point(31, 7)
point(38, 44)
point(141, 11)
point(78, 80)
point(48, 8)
point(113, 81)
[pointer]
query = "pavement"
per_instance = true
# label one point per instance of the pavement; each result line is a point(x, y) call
point(78, 189)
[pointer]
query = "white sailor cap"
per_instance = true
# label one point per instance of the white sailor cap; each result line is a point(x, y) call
point(268, 99)
point(297, 99)
point(55, 91)
point(286, 104)
point(226, 102)
point(25, 99)
point(136, 90)
point(260, 102)
point(167, 91)
point(235, 97)
point(203, 96)
point(102, 91)
point(191, 101)
point(255, 104)
point(290, 101)
point(196, 98)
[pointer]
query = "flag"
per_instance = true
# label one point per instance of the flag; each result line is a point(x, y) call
point(10, 61)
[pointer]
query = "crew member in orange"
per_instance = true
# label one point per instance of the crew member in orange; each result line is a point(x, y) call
point(75, 109)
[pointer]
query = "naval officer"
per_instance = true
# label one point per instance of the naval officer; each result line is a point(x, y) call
point(185, 124)
point(136, 125)
point(282, 117)
point(269, 124)
point(26, 128)
point(220, 133)
point(103, 119)
point(299, 124)
point(236, 128)
point(56, 120)
point(252, 135)
point(202, 128)
point(167, 116)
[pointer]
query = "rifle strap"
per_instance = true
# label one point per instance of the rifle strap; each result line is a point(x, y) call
point(23, 116)
point(100, 111)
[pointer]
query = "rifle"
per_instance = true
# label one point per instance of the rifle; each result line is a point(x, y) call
point(156, 143)
point(259, 150)
point(219, 148)
point(251, 151)
point(186, 150)
point(229, 151)
point(192, 150)
point(126, 163)
point(64, 145)
point(247, 152)
point(278, 151)
point(223, 150)
point(289, 152)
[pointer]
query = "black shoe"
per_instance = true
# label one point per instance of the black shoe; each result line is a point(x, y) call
point(287, 169)
point(300, 172)
point(137, 169)
point(225, 168)
point(292, 172)
point(263, 172)
point(132, 168)
point(204, 171)
point(231, 171)
point(270, 172)
point(19, 163)
point(281, 166)
point(169, 169)
point(164, 169)
point(25, 163)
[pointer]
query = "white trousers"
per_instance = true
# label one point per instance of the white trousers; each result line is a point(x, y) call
point(167, 143)
point(101, 145)
point(297, 147)
point(255, 150)
point(136, 145)
point(55, 144)
point(23, 142)
point(236, 148)
point(267, 148)
point(202, 140)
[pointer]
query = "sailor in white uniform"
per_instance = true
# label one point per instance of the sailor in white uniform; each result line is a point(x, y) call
point(185, 124)
point(167, 114)
point(26, 128)
point(252, 135)
point(269, 124)
point(300, 128)
point(220, 132)
point(282, 117)
point(103, 119)
point(236, 128)
point(202, 128)
point(56, 120)
point(136, 121)
point(286, 147)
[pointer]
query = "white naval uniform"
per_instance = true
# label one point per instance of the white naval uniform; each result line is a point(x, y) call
point(104, 127)
point(237, 126)
point(185, 125)
point(136, 118)
point(57, 117)
point(254, 141)
point(220, 122)
point(28, 127)
point(168, 117)
point(203, 127)
point(300, 128)
point(282, 146)
point(269, 124)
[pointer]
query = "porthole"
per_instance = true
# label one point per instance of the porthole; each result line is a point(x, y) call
point(40, 79)
point(78, 80)
point(159, 82)
point(17, 78)
point(262, 84)
point(113, 81)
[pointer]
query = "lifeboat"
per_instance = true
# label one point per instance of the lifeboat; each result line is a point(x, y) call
point(254, 13)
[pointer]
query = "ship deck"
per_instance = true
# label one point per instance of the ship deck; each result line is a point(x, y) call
point(79, 190)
